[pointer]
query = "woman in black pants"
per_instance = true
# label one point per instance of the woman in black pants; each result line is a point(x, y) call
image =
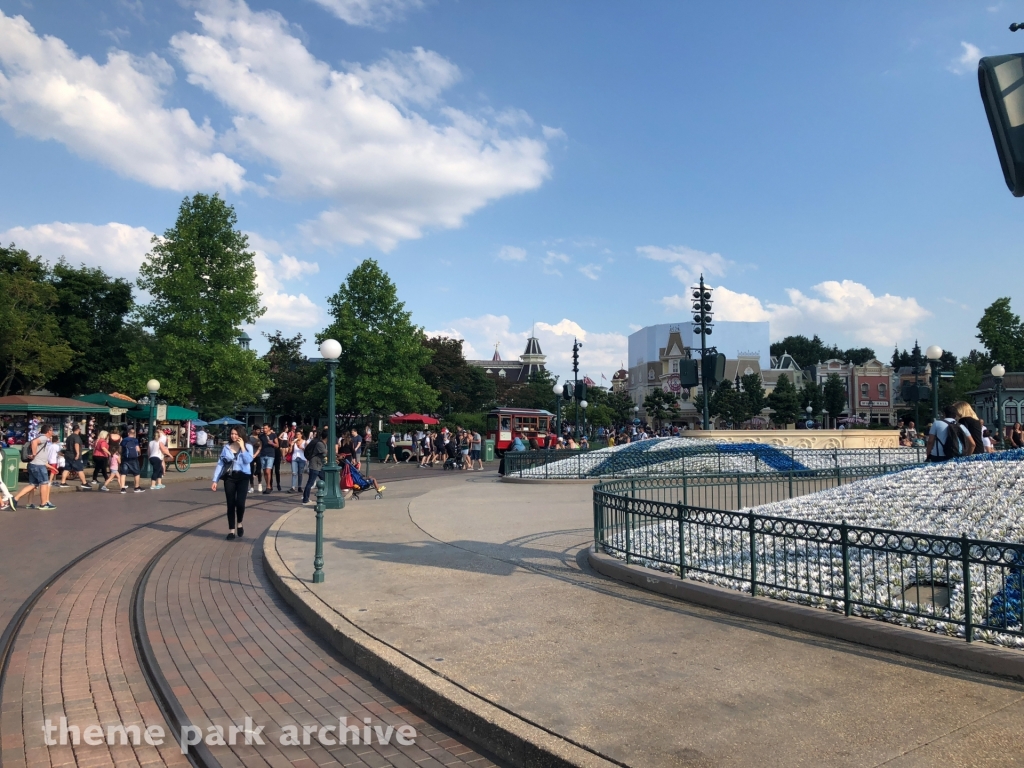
point(235, 468)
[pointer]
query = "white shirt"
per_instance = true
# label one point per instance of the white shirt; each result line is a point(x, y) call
point(154, 449)
point(52, 452)
point(201, 437)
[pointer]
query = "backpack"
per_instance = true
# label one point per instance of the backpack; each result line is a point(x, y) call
point(952, 442)
point(310, 447)
point(26, 451)
point(130, 448)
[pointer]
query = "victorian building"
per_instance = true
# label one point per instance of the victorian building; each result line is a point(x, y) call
point(514, 371)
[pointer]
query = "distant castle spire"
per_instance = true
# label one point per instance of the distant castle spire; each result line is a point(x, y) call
point(497, 357)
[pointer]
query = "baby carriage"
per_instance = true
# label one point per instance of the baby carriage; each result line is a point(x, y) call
point(360, 483)
point(454, 460)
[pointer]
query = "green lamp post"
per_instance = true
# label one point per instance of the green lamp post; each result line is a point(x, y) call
point(330, 350)
point(146, 470)
point(934, 355)
point(998, 371)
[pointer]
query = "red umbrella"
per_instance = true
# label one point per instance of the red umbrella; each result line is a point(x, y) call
point(413, 418)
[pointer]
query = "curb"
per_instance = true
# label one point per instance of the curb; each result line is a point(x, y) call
point(919, 644)
point(500, 732)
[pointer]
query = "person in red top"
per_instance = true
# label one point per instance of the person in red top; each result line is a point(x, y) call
point(101, 458)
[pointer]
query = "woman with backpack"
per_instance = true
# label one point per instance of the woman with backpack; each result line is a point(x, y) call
point(235, 467)
point(966, 417)
point(298, 462)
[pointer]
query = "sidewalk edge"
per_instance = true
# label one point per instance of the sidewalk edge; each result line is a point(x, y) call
point(976, 657)
point(502, 733)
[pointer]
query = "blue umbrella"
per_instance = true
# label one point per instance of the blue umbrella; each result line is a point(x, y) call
point(200, 423)
point(227, 421)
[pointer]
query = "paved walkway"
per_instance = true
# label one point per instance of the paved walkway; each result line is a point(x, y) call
point(221, 636)
point(487, 584)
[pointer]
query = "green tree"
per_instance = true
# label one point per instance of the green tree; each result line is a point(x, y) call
point(661, 406)
point(729, 404)
point(298, 388)
point(202, 283)
point(621, 406)
point(753, 392)
point(32, 350)
point(834, 395)
point(811, 395)
point(859, 355)
point(785, 401)
point(93, 311)
point(383, 352)
point(1002, 334)
point(461, 387)
point(805, 351)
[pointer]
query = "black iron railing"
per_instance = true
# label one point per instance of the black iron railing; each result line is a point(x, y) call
point(953, 585)
point(647, 459)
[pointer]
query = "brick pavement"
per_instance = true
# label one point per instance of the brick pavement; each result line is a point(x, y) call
point(231, 648)
point(74, 658)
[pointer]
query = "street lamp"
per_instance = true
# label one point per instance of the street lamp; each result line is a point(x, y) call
point(264, 397)
point(154, 387)
point(330, 350)
point(583, 405)
point(998, 371)
point(934, 354)
point(558, 389)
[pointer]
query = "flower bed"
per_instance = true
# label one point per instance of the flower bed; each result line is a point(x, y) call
point(981, 497)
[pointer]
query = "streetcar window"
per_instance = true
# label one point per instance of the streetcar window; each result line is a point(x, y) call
point(506, 423)
point(492, 423)
point(543, 423)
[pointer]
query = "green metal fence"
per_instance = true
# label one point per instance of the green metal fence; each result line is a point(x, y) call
point(694, 527)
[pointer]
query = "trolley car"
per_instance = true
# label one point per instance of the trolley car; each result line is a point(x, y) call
point(531, 425)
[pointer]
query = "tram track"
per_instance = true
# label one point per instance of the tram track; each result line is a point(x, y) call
point(167, 702)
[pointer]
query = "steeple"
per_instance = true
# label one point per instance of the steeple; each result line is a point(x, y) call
point(497, 357)
point(532, 358)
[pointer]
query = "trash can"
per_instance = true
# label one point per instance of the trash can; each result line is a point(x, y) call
point(11, 463)
point(383, 441)
point(488, 450)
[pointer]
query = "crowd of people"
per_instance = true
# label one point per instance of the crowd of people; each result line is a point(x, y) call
point(116, 458)
point(960, 432)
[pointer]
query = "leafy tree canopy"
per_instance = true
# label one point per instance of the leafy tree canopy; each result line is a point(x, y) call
point(32, 350)
point(1002, 334)
point(834, 395)
point(383, 353)
point(785, 401)
point(460, 386)
point(807, 352)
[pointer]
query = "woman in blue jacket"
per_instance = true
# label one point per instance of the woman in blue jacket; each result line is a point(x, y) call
point(235, 467)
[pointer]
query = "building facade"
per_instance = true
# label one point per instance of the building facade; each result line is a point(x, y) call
point(514, 371)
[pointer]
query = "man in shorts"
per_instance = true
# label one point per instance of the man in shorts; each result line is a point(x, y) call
point(38, 475)
point(474, 453)
point(74, 456)
point(130, 449)
point(268, 455)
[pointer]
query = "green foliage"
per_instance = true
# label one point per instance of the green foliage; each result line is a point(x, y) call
point(535, 393)
point(1002, 334)
point(729, 404)
point(753, 392)
point(298, 388)
point(812, 395)
point(661, 406)
point(31, 348)
point(621, 406)
point(202, 283)
point(460, 386)
point(92, 310)
point(785, 401)
point(810, 351)
point(470, 421)
point(834, 395)
point(383, 353)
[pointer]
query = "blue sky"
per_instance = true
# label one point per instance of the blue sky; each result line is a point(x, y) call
point(571, 165)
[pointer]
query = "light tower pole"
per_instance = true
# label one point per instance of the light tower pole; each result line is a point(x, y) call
point(702, 326)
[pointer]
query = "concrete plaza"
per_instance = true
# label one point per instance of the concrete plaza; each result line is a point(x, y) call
point(486, 585)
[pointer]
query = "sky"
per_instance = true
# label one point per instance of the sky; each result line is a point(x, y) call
point(567, 168)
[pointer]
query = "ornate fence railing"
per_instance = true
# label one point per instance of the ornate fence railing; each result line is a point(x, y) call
point(648, 458)
point(694, 527)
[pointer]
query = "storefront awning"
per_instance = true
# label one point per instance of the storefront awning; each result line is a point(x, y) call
point(45, 404)
point(174, 413)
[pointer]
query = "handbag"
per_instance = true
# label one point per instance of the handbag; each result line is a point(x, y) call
point(346, 478)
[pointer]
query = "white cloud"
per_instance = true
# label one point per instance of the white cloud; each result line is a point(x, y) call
point(418, 77)
point(846, 309)
point(369, 13)
point(601, 352)
point(113, 113)
point(966, 61)
point(551, 259)
point(388, 172)
point(593, 271)
point(553, 133)
point(117, 249)
point(283, 309)
point(512, 253)
point(688, 263)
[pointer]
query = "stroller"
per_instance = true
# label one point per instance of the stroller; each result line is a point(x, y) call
point(360, 483)
point(454, 460)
